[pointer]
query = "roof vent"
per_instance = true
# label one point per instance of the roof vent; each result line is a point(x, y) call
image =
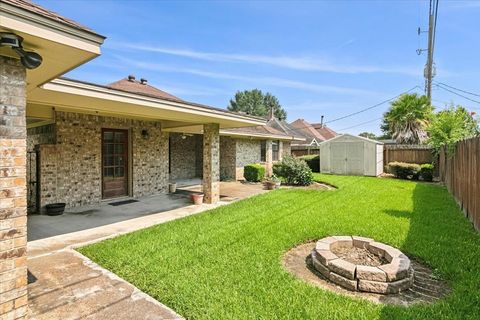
point(143, 81)
point(131, 78)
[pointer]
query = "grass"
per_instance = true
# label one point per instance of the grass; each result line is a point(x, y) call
point(226, 263)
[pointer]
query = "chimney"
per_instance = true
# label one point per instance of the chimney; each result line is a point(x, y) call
point(321, 122)
point(271, 114)
point(131, 78)
point(143, 81)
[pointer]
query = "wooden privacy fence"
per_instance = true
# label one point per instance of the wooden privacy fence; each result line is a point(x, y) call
point(407, 153)
point(461, 174)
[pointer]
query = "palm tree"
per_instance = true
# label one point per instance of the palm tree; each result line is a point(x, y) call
point(408, 118)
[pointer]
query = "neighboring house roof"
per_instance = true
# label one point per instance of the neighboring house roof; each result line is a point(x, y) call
point(35, 8)
point(130, 84)
point(325, 131)
point(283, 126)
point(302, 127)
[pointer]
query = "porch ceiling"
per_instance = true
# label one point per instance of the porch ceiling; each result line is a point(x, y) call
point(62, 46)
point(75, 96)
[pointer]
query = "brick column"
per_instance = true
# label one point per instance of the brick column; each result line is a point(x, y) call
point(269, 158)
point(13, 201)
point(211, 162)
point(280, 150)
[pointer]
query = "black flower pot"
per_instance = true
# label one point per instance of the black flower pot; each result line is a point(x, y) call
point(55, 209)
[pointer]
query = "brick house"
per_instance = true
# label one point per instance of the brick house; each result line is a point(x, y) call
point(82, 156)
point(64, 140)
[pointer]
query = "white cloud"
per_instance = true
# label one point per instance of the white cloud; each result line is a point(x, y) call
point(470, 4)
point(298, 63)
point(271, 81)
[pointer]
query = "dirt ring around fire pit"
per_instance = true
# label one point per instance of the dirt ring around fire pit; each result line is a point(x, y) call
point(350, 268)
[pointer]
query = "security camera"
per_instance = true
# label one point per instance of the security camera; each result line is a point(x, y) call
point(29, 59)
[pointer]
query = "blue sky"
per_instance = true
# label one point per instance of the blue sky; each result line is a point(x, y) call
point(327, 58)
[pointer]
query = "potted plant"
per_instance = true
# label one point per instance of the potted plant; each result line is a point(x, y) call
point(273, 182)
point(55, 209)
point(197, 198)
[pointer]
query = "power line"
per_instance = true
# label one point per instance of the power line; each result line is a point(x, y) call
point(458, 94)
point(461, 90)
point(374, 106)
point(360, 124)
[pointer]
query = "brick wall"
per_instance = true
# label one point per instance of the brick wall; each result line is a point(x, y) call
point(199, 156)
point(185, 156)
point(71, 168)
point(287, 149)
point(248, 151)
point(227, 158)
point(13, 203)
point(36, 136)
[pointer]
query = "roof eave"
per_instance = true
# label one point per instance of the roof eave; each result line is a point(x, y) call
point(76, 87)
point(259, 135)
point(12, 11)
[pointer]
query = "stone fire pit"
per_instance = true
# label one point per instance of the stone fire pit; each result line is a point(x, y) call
point(361, 264)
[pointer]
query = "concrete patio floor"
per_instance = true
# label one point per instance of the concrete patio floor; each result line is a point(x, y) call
point(63, 284)
point(87, 217)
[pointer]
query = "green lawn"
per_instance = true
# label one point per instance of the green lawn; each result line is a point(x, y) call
point(226, 263)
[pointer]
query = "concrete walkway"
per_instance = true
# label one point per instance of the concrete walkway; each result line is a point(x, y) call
point(63, 284)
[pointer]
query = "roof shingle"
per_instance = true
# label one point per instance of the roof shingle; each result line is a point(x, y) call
point(35, 8)
point(325, 131)
point(134, 86)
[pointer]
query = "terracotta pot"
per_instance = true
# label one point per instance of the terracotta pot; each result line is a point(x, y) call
point(197, 198)
point(270, 185)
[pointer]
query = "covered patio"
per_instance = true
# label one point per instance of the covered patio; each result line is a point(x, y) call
point(76, 220)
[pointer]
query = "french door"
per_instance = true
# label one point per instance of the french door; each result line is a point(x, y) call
point(114, 163)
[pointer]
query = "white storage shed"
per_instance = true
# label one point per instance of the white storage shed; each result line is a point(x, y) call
point(351, 155)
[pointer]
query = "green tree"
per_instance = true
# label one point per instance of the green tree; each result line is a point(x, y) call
point(368, 135)
point(408, 118)
point(256, 103)
point(450, 126)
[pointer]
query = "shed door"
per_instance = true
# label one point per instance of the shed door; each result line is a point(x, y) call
point(338, 157)
point(115, 163)
point(354, 157)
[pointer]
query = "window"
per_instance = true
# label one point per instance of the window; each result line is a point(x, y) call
point(263, 151)
point(275, 148)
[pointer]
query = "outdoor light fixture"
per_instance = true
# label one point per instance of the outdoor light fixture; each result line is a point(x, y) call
point(29, 59)
point(145, 134)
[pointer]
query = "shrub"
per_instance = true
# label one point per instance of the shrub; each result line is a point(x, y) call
point(253, 172)
point(426, 171)
point(295, 171)
point(404, 170)
point(313, 161)
point(278, 169)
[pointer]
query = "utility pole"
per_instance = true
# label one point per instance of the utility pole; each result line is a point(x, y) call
point(429, 71)
point(428, 68)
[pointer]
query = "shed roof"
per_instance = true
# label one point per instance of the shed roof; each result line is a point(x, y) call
point(353, 136)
